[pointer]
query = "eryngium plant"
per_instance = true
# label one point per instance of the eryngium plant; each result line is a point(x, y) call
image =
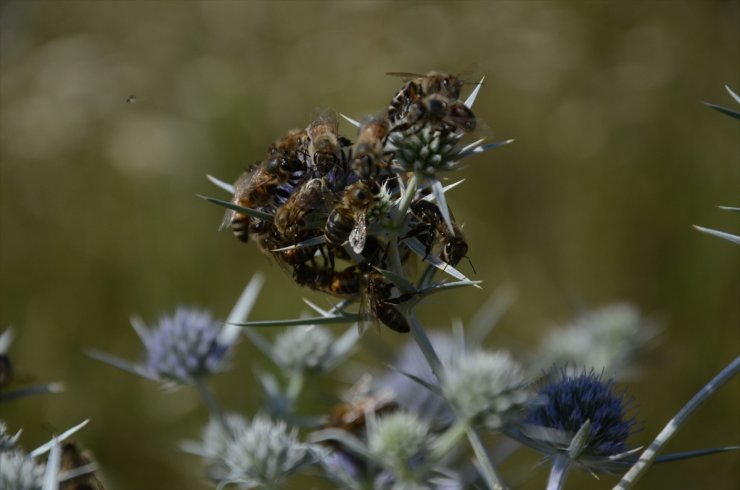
point(347, 219)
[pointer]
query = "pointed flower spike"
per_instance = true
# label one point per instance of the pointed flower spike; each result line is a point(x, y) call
point(733, 94)
point(350, 120)
point(416, 246)
point(6, 339)
point(721, 234)
point(64, 435)
point(240, 312)
point(51, 476)
point(348, 318)
point(239, 209)
point(121, 364)
point(439, 195)
point(474, 94)
point(317, 240)
point(220, 183)
point(430, 197)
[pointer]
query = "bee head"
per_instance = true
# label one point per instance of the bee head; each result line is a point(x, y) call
point(454, 251)
point(436, 105)
point(324, 160)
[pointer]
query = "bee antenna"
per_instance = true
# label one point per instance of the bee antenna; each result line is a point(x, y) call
point(471, 264)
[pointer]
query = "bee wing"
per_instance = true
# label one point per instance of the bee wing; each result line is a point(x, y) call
point(404, 74)
point(358, 235)
point(226, 220)
point(328, 117)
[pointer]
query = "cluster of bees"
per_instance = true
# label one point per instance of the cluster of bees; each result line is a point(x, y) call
point(324, 199)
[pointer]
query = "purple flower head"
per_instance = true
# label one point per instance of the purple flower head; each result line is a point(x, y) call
point(184, 346)
point(567, 403)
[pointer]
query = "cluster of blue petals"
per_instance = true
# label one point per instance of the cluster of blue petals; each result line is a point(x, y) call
point(569, 401)
point(185, 345)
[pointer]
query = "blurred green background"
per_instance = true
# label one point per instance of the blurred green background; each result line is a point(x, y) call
point(614, 159)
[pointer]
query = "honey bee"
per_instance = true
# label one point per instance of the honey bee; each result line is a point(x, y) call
point(379, 292)
point(419, 86)
point(73, 458)
point(344, 284)
point(269, 182)
point(348, 219)
point(367, 152)
point(349, 415)
point(369, 287)
point(437, 109)
point(324, 144)
point(433, 229)
point(309, 197)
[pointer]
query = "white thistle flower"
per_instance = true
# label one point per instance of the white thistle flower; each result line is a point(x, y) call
point(304, 348)
point(486, 387)
point(400, 440)
point(607, 338)
point(251, 454)
point(19, 471)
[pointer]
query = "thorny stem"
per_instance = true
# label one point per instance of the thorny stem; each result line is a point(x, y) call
point(484, 461)
point(449, 439)
point(648, 456)
point(422, 340)
point(211, 404)
point(558, 472)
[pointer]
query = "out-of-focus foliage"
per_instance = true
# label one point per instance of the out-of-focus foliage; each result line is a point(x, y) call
point(614, 159)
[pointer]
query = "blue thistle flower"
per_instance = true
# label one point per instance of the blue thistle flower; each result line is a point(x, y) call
point(184, 346)
point(570, 402)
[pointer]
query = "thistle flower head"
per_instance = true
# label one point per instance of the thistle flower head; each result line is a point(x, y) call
point(427, 151)
point(607, 338)
point(184, 346)
point(18, 471)
point(256, 453)
point(380, 207)
point(569, 402)
point(412, 396)
point(486, 387)
point(400, 440)
point(303, 348)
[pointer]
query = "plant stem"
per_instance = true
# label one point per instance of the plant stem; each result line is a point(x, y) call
point(558, 472)
point(211, 404)
point(449, 439)
point(295, 386)
point(648, 456)
point(484, 461)
point(406, 200)
point(422, 340)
